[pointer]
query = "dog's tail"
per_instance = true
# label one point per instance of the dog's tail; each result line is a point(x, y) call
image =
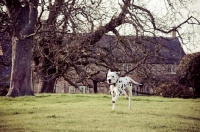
point(134, 81)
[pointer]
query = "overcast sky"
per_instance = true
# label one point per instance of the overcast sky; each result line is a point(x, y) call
point(195, 48)
point(193, 45)
point(190, 33)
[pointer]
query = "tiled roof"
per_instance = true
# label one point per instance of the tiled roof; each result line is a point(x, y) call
point(162, 50)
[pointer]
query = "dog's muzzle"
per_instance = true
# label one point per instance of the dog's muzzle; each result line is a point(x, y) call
point(109, 81)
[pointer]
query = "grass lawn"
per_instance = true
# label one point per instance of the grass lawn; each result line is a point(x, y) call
point(92, 113)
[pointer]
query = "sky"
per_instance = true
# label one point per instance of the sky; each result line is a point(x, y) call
point(193, 43)
point(196, 47)
point(190, 33)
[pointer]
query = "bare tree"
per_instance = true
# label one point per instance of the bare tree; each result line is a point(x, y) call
point(71, 40)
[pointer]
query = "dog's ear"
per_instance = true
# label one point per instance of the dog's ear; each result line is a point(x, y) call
point(118, 73)
point(109, 70)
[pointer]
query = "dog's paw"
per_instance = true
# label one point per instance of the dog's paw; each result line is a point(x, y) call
point(126, 97)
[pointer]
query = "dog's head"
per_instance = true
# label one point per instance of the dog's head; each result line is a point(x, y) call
point(112, 77)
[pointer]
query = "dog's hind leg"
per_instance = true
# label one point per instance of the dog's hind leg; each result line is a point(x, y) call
point(125, 93)
point(113, 105)
point(130, 96)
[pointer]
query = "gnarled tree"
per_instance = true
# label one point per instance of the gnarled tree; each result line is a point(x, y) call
point(23, 18)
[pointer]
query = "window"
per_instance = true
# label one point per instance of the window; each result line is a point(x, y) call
point(171, 68)
point(127, 66)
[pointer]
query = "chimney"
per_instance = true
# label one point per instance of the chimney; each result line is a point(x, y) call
point(173, 32)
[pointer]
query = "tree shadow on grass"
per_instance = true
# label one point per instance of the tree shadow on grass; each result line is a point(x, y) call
point(188, 117)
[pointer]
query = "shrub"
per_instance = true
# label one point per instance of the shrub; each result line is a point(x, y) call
point(188, 72)
point(3, 91)
point(174, 90)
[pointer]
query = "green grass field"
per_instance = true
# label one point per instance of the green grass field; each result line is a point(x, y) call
point(92, 113)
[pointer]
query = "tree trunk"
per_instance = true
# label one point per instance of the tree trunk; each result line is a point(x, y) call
point(95, 86)
point(20, 83)
point(47, 85)
point(23, 20)
point(197, 91)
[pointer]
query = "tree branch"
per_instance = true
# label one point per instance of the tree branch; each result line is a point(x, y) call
point(139, 63)
point(69, 81)
point(13, 8)
point(110, 26)
point(161, 30)
point(29, 29)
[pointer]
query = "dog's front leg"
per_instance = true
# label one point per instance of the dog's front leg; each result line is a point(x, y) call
point(114, 99)
point(113, 94)
point(114, 102)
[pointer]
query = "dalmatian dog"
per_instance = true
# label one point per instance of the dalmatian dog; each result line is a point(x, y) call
point(120, 85)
